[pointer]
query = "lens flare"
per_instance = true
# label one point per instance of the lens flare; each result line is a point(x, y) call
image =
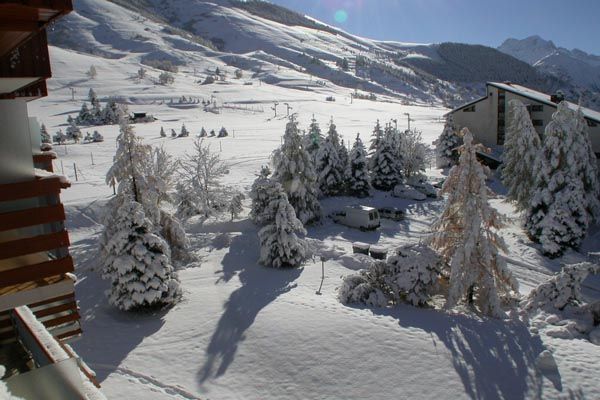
point(340, 16)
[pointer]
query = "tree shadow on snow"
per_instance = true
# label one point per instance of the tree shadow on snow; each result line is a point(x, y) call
point(259, 287)
point(495, 359)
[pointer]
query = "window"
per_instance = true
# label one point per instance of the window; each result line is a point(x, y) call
point(536, 108)
point(371, 216)
point(537, 122)
point(469, 109)
point(591, 124)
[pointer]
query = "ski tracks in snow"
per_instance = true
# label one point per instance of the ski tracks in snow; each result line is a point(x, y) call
point(150, 382)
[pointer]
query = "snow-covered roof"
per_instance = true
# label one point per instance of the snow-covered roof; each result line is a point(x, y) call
point(543, 98)
point(466, 105)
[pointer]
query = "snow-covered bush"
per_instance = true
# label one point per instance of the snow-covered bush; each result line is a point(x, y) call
point(412, 153)
point(97, 137)
point(92, 73)
point(73, 132)
point(357, 171)
point(223, 132)
point(45, 135)
point(162, 132)
point(561, 290)
point(411, 275)
point(137, 262)
point(521, 148)
point(166, 78)
point(466, 236)
point(184, 132)
point(294, 170)
point(558, 214)
point(446, 145)
point(59, 137)
point(280, 245)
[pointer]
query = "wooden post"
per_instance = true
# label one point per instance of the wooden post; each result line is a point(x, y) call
point(92, 156)
point(75, 169)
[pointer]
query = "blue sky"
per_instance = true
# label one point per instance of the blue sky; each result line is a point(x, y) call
point(570, 24)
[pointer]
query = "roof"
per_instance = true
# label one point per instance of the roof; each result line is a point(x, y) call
point(466, 105)
point(543, 98)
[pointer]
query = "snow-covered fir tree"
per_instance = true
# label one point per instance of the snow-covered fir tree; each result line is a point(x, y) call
point(113, 112)
point(466, 236)
point(330, 168)
point(263, 190)
point(376, 139)
point(293, 169)
point(92, 96)
point(88, 138)
point(173, 133)
point(447, 144)
point(137, 262)
point(385, 170)
point(92, 73)
point(235, 205)
point(97, 137)
point(521, 147)
point(162, 132)
point(344, 155)
point(280, 245)
point(357, 171)
point(85, 116)
point(59, 137)
point(203, 133)
point(557, 216)
point(313, 138)
point(184, 132)
point(588, 166)
point(45, 135)
point(199, 177)
point(223, 132)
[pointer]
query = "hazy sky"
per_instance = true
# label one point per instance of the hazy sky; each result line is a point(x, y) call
point(568, 23)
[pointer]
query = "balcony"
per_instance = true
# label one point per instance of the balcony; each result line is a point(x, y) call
point(35, 265)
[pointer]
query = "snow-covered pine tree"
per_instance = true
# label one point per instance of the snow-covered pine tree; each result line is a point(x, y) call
point(357, 171)
point(376, 139)
point(203, 133)
point(88, 138)
point(329, 167)
point(92, 96)
point(97, 137)
point(173, 133)
point(137, 262)
point(59, 137)
point(235, 205)
point(385, 170)
point(313, 138)
point(223, 132)
point(113, 112)
point(293, 169)
point(184, 132)
point(85, 116)
point(344, 156)
point(261, 193)
point(162, 132)
point(465, 234)
point(280, 245)
point(92, 73)
point(587, 166)
point(447, 144)
point(45, 135)
point(557, 215)
point(521, 148)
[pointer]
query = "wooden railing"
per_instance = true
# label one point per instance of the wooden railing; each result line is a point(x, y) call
point(35, 265)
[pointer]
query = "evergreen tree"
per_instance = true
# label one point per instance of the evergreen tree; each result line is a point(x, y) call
point(261, 193)
point(97, 137)
point(45, 135)
point(173, 133)
point(223, 132)
point(587, 166)
point(203, 133)
point(162, 132)
point(557, 216)
point(92, 73)
point(280, 246)
point(184, 132)
point(344, 156)
point(137, 262)
point(73, 132)
point(293, 169)
point(85, 117)
point(313, 139)
point(376, 138)
point(59, 137)
point(385, 173)
point(357, 170)
point(330, 169)
point(92, 97)
point(447, 144)
point(521, 148)
point(113, 112)
point(465, 234)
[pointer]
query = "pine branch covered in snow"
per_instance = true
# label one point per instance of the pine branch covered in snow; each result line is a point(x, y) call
point(411, 275)
point(521, 148)
point(294, 170)
point(558, 216)
point(138, 263)
point(561, 290)
point(466, 236)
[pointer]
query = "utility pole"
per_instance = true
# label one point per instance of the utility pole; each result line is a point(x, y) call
point(274, 108)
point(408, 117)
point(72, 94)
point(288, 109)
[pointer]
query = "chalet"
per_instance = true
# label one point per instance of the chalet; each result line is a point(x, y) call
point(38, 310)
point(486, 117)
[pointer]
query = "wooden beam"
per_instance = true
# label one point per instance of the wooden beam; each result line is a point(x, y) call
point(32, 217)
point(39, 293)
point(61, 320)
point(19, 25)
point(69, 296)
point(45, 312)
point(69, 334)
point(35, 272)
point(35, 244)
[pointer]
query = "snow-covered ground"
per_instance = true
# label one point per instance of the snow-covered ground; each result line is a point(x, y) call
point(244, 331)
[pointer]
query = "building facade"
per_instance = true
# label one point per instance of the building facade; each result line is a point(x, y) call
point(486, 117)
point(38, 309)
